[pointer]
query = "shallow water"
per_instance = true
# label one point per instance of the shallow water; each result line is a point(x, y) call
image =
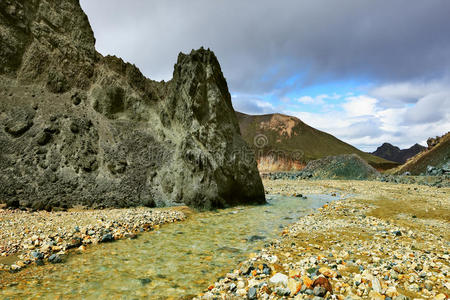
point(178, 260)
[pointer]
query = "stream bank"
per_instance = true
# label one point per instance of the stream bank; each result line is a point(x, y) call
point(387, 241)
point(176, 260)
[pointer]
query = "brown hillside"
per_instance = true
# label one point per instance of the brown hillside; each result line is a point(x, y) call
point(437, 156)
point(284, 143)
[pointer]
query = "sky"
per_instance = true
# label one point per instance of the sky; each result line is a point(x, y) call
point(367, 72)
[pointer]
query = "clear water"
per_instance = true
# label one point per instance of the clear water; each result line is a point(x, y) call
point(179, 260)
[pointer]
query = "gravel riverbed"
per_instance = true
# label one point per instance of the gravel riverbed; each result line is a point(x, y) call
point(46, 237)
point(383, 241)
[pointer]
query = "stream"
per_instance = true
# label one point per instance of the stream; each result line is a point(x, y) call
point(178, 260)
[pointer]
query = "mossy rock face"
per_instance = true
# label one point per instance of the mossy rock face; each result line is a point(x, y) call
point(78, 128)
point(341, 167)
point(108, 101)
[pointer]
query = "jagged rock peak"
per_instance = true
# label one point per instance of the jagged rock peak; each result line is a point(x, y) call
point(394, 153)
point(77, 128)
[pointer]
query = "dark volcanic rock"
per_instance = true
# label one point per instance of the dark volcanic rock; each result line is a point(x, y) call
point(78, 128)
point(393, 153)
point(340, 167)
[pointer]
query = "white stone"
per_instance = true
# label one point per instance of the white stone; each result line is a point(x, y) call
point(279, 278)
point(376, 286)
point(241, 292)
point(391, 292)
point(240, 285)
point(252, 282)
point(357, 279)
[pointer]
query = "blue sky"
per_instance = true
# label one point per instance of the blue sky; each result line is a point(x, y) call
point(361, 113)
point(365, 71)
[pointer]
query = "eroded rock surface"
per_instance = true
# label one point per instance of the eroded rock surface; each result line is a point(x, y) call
point(77, 128)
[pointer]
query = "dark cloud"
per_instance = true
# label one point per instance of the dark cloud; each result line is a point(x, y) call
point(430, 109)
point(266, 47)
point(251, 105)
point(262, 43)
point(370, 127)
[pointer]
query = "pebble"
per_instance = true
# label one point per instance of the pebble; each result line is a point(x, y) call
point(375, 295)
point(252, 293)
point(280, 291)
point(145, 281)
point(240, 285)
point(232, 287)
point(401, 297)
point(36, 236)
point(106, 238)
point(55, 259)
point(376, 285)
point(319, 291)
point(391, 292)
point(241, 292)
point(278, 279)
point(361, 256)
point(294, 286)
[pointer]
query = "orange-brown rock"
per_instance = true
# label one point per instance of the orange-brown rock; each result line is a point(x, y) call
point(323, 282)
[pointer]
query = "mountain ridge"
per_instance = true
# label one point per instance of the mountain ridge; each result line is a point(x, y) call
point(289, 143)
point(437, 156)
point(394, 153)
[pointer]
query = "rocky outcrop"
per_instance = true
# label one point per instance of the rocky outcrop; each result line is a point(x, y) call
point(347, 167)
point(77, 128)
point(431, 142)
point(433, 161)
point(393, 153)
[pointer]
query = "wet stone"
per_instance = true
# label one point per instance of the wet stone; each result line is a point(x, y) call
point(145, 281)
point(55, 259)
point(106, 238)
point(252, 293)
point(37, 255)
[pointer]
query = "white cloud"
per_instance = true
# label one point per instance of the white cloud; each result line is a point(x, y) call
point(306, 100)
point(408, 92)
point(318, 100)
point(364, 121)
point(430, 109)
point(362, 105)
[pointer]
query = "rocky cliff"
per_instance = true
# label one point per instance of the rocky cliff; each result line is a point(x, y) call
point(393, 153)
point(77, 128)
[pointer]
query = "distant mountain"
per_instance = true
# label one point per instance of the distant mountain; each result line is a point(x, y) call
point(393, 153)
point(283, 143)
point(437, 155)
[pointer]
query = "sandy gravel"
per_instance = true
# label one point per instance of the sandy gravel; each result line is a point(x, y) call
point(40, 237)
point(384, 241)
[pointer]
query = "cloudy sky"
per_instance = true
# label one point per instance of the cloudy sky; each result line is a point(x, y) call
point(367, 72)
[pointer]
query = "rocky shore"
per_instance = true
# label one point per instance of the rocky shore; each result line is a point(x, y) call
point(433, 179)
point(40, 237)
point(383, 241)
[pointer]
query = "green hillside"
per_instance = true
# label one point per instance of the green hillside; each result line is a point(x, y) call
point(287, 137)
